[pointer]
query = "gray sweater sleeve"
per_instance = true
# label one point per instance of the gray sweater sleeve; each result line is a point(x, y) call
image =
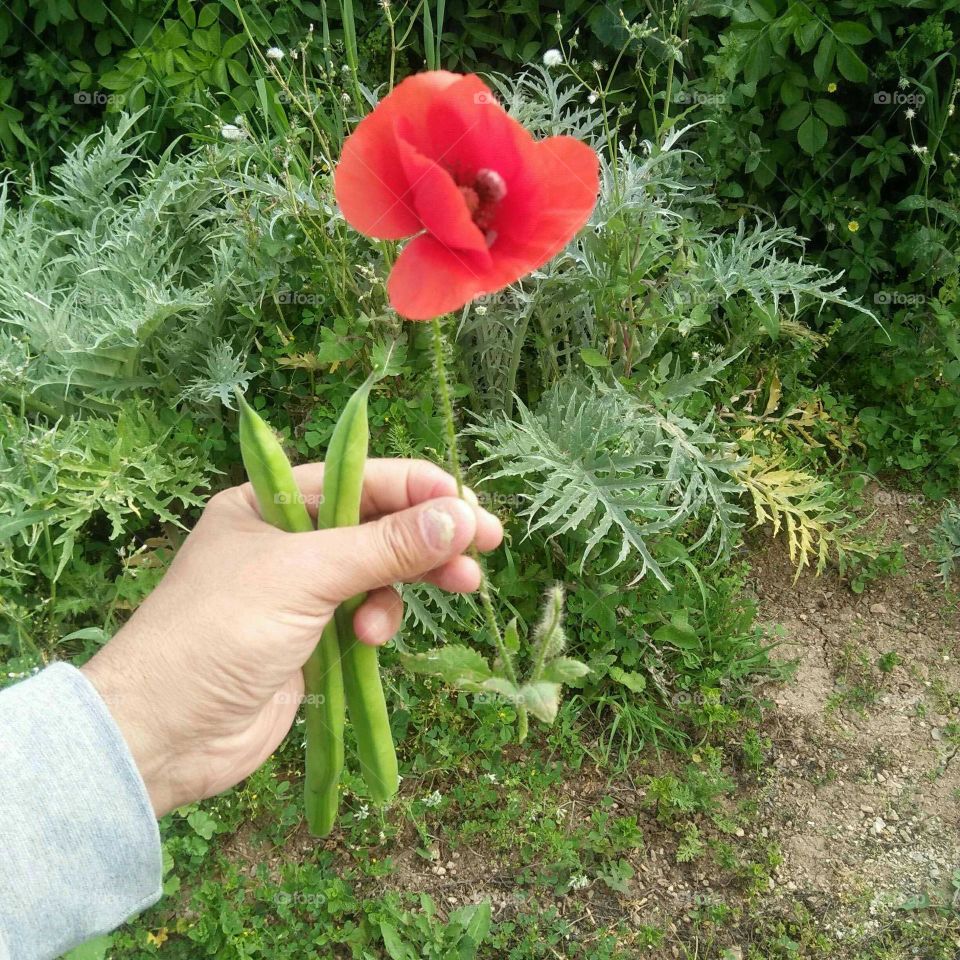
point(79, 845)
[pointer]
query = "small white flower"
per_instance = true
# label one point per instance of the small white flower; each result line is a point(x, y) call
point(592, 98)
point(951, 110)
point(579, 882)
point(909, 113)
point(492, 777)
point(917, 149)
point(362, 813)
point(345, 98)
point(433, 799)
point(552, 58)
point(597, 65)
point(274, 53)
point(230, 131)
point(480, 310)
point(903, 83)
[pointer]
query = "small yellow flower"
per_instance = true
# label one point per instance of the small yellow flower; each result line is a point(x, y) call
point(157, 939)
point(853, 226)
point(831, 88)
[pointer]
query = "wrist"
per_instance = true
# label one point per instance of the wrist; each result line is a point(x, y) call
point(141, 732)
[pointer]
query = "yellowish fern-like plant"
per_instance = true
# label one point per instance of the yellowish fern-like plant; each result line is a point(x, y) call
point(810, 510)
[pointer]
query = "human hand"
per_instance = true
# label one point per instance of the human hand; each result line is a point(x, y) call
point(204, 679)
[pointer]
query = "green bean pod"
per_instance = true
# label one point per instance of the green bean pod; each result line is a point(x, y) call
point(282, 506)
point(342, 490)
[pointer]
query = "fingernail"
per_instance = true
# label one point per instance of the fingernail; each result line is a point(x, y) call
point(470, 497)
point(438, 528)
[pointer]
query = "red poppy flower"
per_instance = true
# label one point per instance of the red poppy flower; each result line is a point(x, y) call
point(440, 160)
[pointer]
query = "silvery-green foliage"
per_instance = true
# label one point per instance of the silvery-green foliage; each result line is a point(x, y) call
point(223, 372)
point(55, 479)
point(549, 104)
point(608, 468)
point(437, 614)
point(117, 277)
point(946, 540)
point(754, 264)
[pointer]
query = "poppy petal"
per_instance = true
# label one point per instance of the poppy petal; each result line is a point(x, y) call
point(565, 176)
point(369, 182)
point(429, 279)
point(439, 203)
point(469, 130)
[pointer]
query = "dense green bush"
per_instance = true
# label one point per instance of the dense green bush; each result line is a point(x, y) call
point(842, 117)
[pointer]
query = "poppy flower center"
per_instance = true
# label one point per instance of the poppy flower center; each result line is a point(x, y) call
point(482, 196)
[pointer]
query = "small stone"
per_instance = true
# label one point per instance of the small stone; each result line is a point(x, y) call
point(878, 826)
point(739, 831)
point(878, 608)
point(866, 808)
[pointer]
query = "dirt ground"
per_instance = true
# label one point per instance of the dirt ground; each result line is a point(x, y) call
point(864, 795)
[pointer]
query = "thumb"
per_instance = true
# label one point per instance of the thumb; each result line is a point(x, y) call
point(400, 546)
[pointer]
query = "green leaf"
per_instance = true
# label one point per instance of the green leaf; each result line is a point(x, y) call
point(502, 687)
point(830, 112)
point(209, 14)
point(563, 670)
point(95, 949)
point(593, 357)
point(678, 632)
point(849, 31)
point(394, 944)
point(636, 682)
point(9, 526)
point(823, 61)
point(96, 634)
point(812, 135)
point(233, 45)
point(202, 823)
point(792, 117)
point(92, 11)
point(541, 699)
point(187, 14)
point(790, 93)
point(511, 636)
point(474, 920)
point(456, 664)
point(851, 66)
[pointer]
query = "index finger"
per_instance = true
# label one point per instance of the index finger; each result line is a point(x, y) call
point(389, 485)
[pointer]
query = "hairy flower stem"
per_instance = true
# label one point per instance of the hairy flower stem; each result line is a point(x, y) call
point(453, 455)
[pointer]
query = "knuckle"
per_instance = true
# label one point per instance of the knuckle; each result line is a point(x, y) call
point(219, 501)
point(401, 544)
